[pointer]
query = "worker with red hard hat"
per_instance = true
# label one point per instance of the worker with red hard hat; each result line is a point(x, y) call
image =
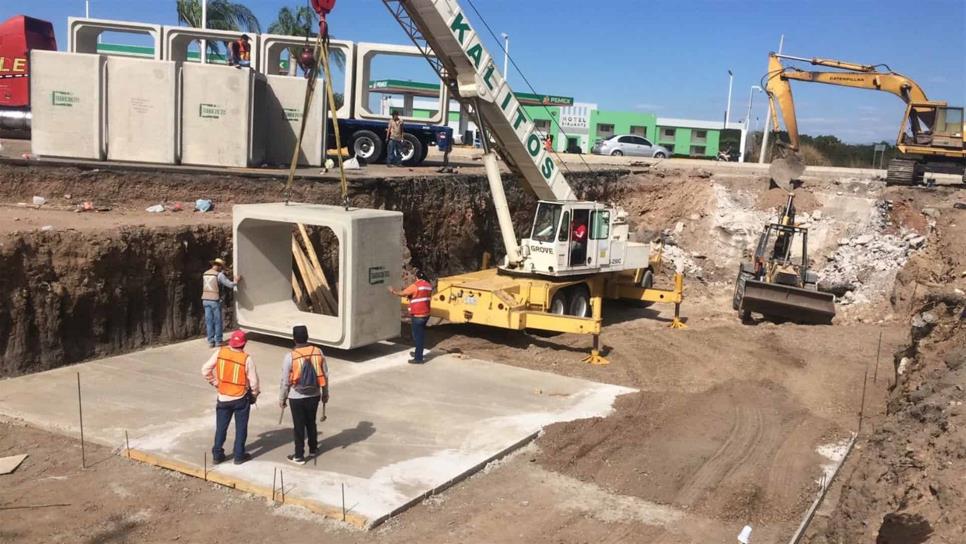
point(232, 372)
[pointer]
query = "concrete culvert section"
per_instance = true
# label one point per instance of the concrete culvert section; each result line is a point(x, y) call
point(369, 257)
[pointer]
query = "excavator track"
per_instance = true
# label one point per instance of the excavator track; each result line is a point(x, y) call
point(901, 172)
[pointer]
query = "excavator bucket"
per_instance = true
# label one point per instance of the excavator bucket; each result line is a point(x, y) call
point(785, 169)
point(787, 302)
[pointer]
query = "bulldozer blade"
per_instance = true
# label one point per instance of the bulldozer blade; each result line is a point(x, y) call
point(791, 303)
point(785, 169)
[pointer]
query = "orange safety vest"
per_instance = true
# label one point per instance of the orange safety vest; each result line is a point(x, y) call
point(232, 372)
point(244, 50)
point(419, 302)
point(313, 356)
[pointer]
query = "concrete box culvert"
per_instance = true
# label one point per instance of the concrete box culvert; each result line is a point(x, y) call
point(221, 119)
point(66, 102)
point(141, 110)
point(369, 261)
point(283, 112)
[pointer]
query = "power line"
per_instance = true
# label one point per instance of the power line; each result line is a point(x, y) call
point(532, 90)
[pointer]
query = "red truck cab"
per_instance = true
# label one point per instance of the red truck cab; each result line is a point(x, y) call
point(18, 35)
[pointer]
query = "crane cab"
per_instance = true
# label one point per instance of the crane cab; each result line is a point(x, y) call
point(573, 237)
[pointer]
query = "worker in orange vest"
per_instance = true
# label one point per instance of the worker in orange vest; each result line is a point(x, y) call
point(233, 373)
point(240, 52)
point(305, 381)
point(420, 294)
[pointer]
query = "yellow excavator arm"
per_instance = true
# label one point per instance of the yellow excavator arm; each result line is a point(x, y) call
point(859, 76)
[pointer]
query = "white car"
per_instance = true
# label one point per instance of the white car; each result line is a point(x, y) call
point(630, 145)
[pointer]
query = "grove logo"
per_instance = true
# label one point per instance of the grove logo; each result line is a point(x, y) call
point(210, 111)
point(64, 98)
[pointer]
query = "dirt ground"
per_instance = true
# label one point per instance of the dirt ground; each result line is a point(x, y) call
point(724, 432)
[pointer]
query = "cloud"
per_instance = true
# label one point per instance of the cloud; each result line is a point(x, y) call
point(648, 107)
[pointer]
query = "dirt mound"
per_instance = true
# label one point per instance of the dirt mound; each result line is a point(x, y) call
point(749, 451)
point(905, 483)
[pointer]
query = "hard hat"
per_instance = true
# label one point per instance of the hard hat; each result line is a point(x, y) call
point(238, 339)
point(218, 261)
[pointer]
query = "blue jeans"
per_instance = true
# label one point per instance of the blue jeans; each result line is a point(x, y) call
point(213, 320)
point(393, 155)
point(419, 335)
point(224, 411)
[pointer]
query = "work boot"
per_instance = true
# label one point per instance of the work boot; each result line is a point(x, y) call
point(414, 361)
point(314, 452)
point(217, 459)
point(297, 460)
point(245, 457)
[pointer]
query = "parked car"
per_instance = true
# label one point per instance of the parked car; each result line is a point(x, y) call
point(632, 146)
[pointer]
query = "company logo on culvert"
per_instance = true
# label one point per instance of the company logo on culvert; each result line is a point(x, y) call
point(64, 98)
point(292, 114)
point(378, 275)
point(210, 111)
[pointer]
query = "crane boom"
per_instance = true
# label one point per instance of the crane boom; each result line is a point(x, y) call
point(455, 50)
point(860, 76)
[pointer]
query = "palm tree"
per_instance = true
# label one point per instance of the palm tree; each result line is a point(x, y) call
point(222, 15)
point(301, 21)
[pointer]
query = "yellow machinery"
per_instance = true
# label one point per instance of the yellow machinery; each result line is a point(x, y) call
point(778, 283)
point(932, 137)
point(577, 253)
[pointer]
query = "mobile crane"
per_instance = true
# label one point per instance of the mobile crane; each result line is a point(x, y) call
point(577, 254)
point(932, 136)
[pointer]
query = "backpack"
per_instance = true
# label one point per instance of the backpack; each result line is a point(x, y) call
point(308, 379)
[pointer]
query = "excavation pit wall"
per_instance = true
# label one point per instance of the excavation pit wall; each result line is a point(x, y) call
point(116, 281)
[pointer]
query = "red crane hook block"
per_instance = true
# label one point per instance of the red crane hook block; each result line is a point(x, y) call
point(323, 7)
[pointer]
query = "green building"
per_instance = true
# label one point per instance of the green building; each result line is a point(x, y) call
point(572, 125)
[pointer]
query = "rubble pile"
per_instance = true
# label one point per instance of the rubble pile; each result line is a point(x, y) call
point(865, 263)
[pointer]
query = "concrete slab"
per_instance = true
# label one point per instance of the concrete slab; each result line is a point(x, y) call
point(395, 432)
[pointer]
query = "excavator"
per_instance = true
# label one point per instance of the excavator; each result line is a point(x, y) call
point(932, 136)
point(577, 253)
point(778, 283)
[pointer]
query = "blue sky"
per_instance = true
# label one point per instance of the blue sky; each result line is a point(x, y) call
point(669, 58)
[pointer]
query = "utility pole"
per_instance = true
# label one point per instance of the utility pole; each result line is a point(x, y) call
point(204, 24)
point(506, 53)
point(731, 81)
point(747, 124)
point(87, 9)
point(767, 127)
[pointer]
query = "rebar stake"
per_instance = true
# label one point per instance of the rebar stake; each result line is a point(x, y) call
point(80, 413)
point(875, 375)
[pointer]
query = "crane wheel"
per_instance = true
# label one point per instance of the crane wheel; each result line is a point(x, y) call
point(579, 301)
point(559, 303)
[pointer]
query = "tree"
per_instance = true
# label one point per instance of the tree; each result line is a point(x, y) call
point(302, 21)
point(297, 23)
point(222, 15)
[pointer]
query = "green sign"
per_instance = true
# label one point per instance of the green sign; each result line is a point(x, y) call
point(378, 275)
point(63, 98)
point(210, 111)
point(544, 99)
